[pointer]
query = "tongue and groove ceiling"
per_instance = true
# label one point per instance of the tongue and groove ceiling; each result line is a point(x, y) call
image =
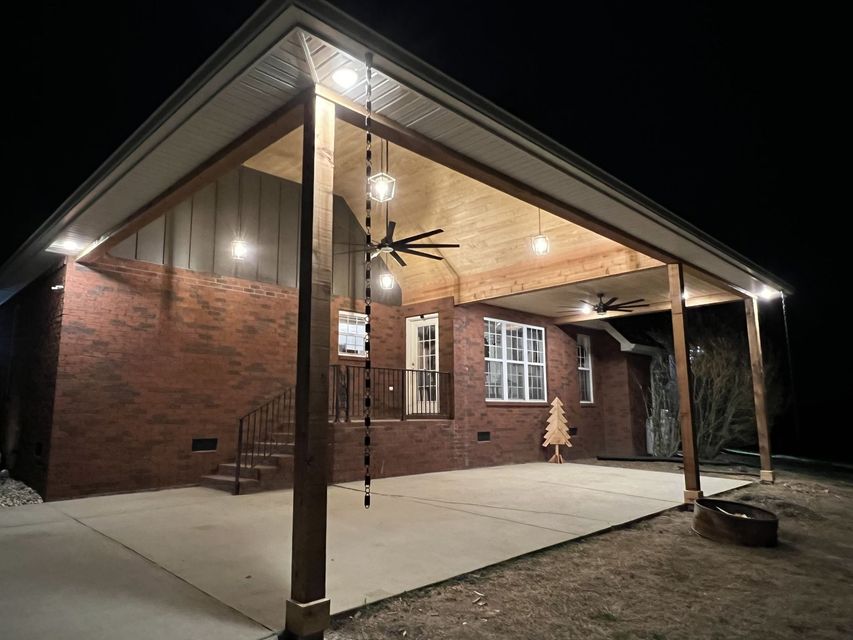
point(494, 229)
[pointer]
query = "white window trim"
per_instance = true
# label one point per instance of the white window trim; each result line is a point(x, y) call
point(585, 338)
point(504, 361)
point(357, 314)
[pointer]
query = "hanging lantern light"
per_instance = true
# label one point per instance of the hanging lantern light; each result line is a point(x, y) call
point(239, 249)
point(387, 281)
point(540, 243)
point(382, 187)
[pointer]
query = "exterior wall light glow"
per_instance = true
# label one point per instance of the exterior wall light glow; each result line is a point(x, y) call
point(57, 287)
point(67, 247)
point(768, 294)
point(386, 281)
point(382, 187)
point(684, 296)
point(239, 249)
point(541, 245)
point(345, 78)
point(587, 308)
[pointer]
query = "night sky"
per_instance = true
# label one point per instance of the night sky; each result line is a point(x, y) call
point(726, 113)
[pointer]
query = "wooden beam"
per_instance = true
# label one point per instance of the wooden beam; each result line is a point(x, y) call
point(270, 130)
point(308, 603)
point(654, 307)
point(692, 487)
point(386, 128)
point(529, 276)
point(756, 358)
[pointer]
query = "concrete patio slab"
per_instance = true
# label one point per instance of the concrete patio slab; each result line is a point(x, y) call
point(214, 560)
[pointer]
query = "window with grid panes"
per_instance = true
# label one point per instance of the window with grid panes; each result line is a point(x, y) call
point(514, 361)
point(585, 368)
point(351, 333)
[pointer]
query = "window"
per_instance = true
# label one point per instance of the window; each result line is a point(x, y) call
point(515, 361)
point(585, 368)
point(351, 331)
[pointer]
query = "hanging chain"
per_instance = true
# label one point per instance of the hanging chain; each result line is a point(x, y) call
point(368, 123)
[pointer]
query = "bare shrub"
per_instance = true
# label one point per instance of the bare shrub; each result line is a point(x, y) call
point(724, 413)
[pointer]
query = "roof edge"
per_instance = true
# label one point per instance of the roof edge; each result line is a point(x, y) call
point(379, 44)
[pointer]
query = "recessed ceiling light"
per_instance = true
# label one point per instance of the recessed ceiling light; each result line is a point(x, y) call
point(345, 77)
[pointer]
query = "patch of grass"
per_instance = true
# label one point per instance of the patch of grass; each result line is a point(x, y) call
point(605, 615)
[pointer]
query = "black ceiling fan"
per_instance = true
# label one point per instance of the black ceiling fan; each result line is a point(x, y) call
point(405, 245)
point(602, 307)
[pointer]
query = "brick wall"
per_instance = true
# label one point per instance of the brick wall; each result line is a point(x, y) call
point(618, 408)
point(399, 448)
point(152, 357)
point(516, 429)
point(29, 346)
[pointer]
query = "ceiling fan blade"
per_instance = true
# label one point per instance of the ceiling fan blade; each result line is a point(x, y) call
point(389, 230)
point(397, 257)
point(629, 306)
point(418, 236)
point(418, 253)
point(429, 246)
point(611, 301)
point(622, 304)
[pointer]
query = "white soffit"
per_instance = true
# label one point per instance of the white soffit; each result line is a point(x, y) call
point(264, 67)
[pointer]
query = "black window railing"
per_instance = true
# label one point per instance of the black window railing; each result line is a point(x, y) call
point(397, 394)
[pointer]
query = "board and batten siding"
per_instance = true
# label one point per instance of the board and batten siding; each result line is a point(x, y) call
point(263, 210)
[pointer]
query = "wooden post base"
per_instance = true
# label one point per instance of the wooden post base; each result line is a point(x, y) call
point(306, 621)
point(691, 496)
point(767, 476)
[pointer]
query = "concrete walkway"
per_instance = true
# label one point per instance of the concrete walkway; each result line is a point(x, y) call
point(198, 563)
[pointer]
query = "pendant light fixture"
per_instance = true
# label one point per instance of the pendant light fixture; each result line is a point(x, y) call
point(387, 281)
point(381, 185)
point(540, 243)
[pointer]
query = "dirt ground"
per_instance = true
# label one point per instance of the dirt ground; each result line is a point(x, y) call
point(654, 580)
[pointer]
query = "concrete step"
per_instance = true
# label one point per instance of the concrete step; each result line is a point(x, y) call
point(273, 459)
point(226, 483)
point(229, 468)
point(275, 447)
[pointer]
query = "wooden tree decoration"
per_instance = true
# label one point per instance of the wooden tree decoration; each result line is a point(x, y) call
point(557, 431)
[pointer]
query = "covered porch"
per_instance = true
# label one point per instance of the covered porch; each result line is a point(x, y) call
point(538, 231)
point(198, 563)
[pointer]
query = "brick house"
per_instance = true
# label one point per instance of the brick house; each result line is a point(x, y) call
point(133, 360)
point(197, 308)
point(161, 303)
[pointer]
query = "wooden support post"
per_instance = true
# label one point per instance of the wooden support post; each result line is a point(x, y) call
point(757, 360)
point(692, 488)
point(307, 613)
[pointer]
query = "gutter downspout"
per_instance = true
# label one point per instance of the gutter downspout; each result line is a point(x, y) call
point(624, 344)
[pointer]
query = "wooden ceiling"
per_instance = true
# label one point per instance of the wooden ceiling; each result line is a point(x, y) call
point(494, 229)
point(564, 302)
